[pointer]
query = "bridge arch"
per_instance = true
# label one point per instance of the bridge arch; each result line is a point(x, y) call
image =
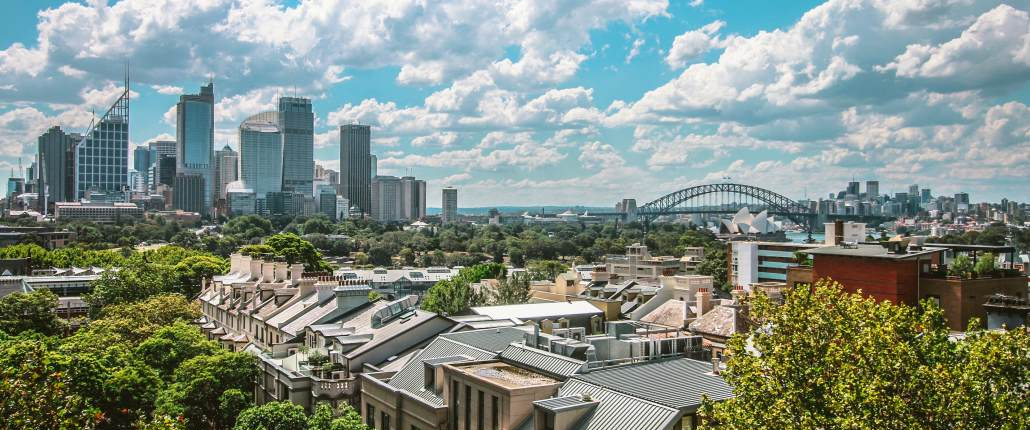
point(776, 204)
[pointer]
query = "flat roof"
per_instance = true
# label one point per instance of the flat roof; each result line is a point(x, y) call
point(965, 247)
point(871, 251)
point(505, 375)
point(535, 311)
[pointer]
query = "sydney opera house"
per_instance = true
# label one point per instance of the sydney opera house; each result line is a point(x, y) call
point(744, 222)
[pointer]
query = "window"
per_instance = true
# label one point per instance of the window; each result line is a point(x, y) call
point(548, 420)
point(495, 414)
point(482, 410)
point(370, 415)
point(455, 404)
point(468, 407)
point(386, 421)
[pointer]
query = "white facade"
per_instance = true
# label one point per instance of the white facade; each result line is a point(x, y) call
point(745, 264)
point(854, 232)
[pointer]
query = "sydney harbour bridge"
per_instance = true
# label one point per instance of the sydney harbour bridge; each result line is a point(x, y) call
point(728, 198)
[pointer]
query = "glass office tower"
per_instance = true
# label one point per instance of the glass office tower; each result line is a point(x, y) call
point(102, 157)
point(297, 125)
point(261, 155)
point(195, 145)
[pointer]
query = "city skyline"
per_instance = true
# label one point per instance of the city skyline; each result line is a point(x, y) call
point(744, 90)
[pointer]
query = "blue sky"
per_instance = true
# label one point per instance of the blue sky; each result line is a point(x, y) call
point(563, 102)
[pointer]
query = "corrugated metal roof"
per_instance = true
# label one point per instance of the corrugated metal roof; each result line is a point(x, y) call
point(618, 411)
point(478, 345)
point(534, 311)
point(566, 402)
point(678, 383)
point(494, 339)
point(546, 362)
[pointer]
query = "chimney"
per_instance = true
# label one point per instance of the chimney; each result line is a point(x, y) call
point(306, 286)
point(704, 301)
point(296, 272)
point(268, 271)
point(715, 365)
point(234, 263)
point(255, 268)
point(281, 272)
point(738, 293)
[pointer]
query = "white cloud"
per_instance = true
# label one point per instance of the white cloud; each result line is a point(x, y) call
point(634, 50)
point(170, 90)
point(696, 3)
point(597, 155)
point(442, 139)
point(693, 44)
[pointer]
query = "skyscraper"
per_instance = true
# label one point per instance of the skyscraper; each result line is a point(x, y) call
point(102, 157)
point(872, 190)
point(161, 148)
point(413, 198)
point(195, 145)
point(55, 173)
point(355, 165)
point(852, 189)
point(386, 199)
point(373, 165)
point(142, 160)
point(261, 155)
point(226, 169)
point(449, 205)
point(297, 124)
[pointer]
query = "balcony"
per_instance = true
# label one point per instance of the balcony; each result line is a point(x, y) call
point(333, 388)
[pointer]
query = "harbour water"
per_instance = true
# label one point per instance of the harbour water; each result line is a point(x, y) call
point(801, 237)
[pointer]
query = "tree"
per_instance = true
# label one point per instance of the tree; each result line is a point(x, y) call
point(512, 290)
point(318, 224)
point(34, 392)
point(961, 266)
point(828, 359)
point(129, 393)
point(454, 296)
point(171, 345)
point(379, 256)
point(131, 283)
point(34, 311)
point(297, 250)
point(199, 384)
point(714, 265)
point(545, 270)
point(985, 265)
point(273, 416)
point(248, 227)
point(189, 272)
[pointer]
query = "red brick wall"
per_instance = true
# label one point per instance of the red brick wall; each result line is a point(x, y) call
point(883, 279)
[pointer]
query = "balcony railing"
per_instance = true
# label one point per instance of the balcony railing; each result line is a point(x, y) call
point(332, 388)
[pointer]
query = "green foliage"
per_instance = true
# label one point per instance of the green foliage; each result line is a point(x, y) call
point(545, 270)
point(454, 296)
point(297, 250)
point(248, 227)
point(273, 416)
point(961, 266)
point(189, 272)
point(198, 386)
point(171, 345)
point(511, 290)
point(20, 312)
point(374, 295)
point(127, 325)
point(34, 392)
point(985, 265)
point(714, 265)
point(827, 359)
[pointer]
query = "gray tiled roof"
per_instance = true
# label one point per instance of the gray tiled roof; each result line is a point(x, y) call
point(478, 345)
point(488, 339)
point(618, 411)
point(678, 383)
point(546, 362)
point(566, 402)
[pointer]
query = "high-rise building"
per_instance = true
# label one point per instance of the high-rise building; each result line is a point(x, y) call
point(188, 194)
point(326, 198)
point(161, 148)
point(261, 155)
point(102, 157)
point(413, 198)
point(961, 202)
point(872, 190)
point(143, 159)
point(374, 165)
point(195, 145)
point(913, 190)
point(924, 195)
point(55, 174)
point(226, 169)
point(297, 125)
point(386, 199)
point(449, 205)
point(355, 165)
point(164, 171)
point(852, 189)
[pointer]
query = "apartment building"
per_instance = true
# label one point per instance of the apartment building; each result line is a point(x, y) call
point(100, 213)
point(638, 263)
point(750, 262)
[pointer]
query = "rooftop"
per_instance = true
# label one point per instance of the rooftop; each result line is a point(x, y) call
point(677, 383)
point(534, 311)
point(505, 375)
point(871, 251)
